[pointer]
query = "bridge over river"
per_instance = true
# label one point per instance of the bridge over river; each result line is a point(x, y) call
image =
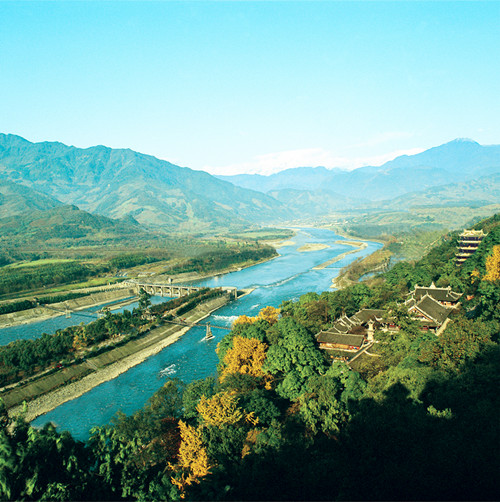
point(172, 290)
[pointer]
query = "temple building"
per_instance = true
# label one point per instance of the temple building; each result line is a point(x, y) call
point(468, 242)
point(430, 306)
point(445, 296)
point(429, 312)
point(349, 334)
point(343, 341)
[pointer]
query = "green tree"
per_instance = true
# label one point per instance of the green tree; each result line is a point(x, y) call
point(144, 299)
point(324, 405)
point(462, 341)
point(294, 359)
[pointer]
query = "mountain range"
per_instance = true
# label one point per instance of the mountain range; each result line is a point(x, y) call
point(454, 162)
point(117, 182)
point(120, 183)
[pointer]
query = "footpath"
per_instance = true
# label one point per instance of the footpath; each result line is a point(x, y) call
point(50, 391)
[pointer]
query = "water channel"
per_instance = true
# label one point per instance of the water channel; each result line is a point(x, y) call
point(286, 277)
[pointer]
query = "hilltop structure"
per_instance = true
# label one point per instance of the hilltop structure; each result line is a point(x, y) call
point(467, 244)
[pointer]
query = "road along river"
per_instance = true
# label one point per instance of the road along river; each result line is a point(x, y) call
point(286, 277)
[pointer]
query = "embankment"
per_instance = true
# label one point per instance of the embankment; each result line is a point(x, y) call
point(50, 391)
point(56, 309)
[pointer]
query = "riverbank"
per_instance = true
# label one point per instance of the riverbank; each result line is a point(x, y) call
point(53, 390)
point(378, 261)
point(189, 277)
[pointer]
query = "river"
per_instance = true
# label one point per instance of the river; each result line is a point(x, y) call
point(286, 277)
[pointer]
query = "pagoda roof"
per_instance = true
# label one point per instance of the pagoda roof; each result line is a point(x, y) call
point(473, 233)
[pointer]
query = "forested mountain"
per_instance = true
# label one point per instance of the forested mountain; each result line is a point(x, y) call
point(413, 418)
point(454, 162)
point(117, 183)
point(65, 223)
point(313, 203)
point(18, 199)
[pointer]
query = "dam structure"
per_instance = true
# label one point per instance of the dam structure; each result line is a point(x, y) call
point(170, 290)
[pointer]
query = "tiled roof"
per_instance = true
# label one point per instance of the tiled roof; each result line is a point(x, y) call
point(340, 338)
point(366, 315)
point(439, 294)
point(433, 309)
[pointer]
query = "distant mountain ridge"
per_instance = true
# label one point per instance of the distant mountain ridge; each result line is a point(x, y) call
point(296, 178)
point(122, 182)
point(454, 162)
point(480, 192)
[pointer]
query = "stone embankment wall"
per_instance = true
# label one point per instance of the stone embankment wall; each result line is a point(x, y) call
point(42, 313)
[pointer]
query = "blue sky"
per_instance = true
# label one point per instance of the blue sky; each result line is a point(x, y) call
point(234, 87)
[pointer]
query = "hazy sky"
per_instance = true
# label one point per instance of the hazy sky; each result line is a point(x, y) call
point(234, 87)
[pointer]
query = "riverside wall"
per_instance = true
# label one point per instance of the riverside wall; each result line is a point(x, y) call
point(42, 313)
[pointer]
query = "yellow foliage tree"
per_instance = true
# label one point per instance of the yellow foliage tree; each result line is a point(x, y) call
point(246, 356)
point(243, 319)
point(474, 276)
point(192, 459)
point(79, 341)
point(269, 314)
point(222, 409)
point(493, 265)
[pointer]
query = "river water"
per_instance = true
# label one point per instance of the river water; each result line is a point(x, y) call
point(286, 277)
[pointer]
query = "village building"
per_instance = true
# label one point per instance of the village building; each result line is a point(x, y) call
point(468, 243)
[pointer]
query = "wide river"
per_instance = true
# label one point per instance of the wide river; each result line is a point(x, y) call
point(286, 277)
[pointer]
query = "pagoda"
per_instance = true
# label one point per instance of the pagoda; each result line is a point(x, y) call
point(468, 242)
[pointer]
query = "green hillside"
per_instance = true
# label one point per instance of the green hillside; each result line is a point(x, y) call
point(17, 199)
point(54, 226)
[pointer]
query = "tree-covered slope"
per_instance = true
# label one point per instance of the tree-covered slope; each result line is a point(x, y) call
point(65, 223)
